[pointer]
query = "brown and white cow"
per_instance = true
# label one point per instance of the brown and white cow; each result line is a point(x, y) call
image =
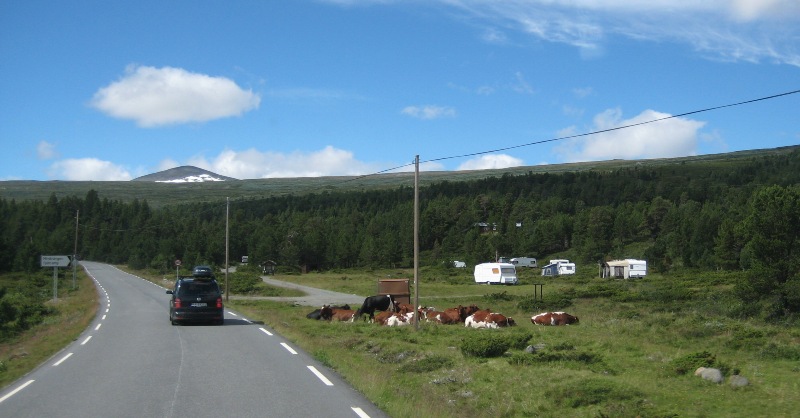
point(400, 319)
point(457, 315)
point(343, 315)
point(488, 319)
point(554, 318)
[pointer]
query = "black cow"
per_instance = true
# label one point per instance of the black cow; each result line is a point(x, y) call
point(376, 303)
point(317, 313)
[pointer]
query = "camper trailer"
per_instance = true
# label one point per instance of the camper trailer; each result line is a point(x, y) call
point(499, 273)
point(524, 262)
point(626, 269)
point(558, 267)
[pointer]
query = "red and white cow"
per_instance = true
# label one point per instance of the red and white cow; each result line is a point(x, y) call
point(554, 318)
point(488, 319)
point(343, 315)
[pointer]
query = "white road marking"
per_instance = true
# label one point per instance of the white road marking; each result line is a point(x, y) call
point(86, 340)
point(360, 412)
point(14, 392)
point(320, 375)
point(289, 349)
point(231, 313)
point(265, 331)
point(62, 359)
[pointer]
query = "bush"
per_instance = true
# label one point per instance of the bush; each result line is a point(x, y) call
point(691, 362)
point(242, 283)
point(484, 344)
point(590, 392)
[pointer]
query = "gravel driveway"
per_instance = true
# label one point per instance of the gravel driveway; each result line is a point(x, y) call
point(314, 297)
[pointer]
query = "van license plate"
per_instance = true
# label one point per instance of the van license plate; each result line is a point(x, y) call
point(199, 305)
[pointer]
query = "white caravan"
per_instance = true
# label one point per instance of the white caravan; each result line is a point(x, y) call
point(558, 267)
point(500, 273)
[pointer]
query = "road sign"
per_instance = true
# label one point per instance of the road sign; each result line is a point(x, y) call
point(55, 260)
point(177, 263)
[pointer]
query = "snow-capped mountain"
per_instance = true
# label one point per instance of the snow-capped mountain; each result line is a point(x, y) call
point(184, 174)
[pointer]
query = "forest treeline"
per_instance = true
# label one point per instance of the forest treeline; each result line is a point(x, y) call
point(738, 214)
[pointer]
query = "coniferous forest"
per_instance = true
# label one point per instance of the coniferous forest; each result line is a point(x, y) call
point(731, 215)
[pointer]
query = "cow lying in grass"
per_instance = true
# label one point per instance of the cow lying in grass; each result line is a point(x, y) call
point(328, 312)
point(488, 319)
point(554, 318)
point(317, 313)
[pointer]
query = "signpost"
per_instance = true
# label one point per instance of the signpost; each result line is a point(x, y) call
point(55, 261)
point(177, 268)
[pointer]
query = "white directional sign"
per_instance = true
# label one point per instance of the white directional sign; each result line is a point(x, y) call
point(55, 260)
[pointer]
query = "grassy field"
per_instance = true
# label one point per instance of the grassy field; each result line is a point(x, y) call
point(632, 354)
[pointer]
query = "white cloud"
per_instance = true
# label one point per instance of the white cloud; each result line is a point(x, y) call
point(88, 169)
point(673, 137)
point(487, 162)
point(163, 96)
point(46, 150)
point(429, 112)
point(251, 164)
point(739, 30)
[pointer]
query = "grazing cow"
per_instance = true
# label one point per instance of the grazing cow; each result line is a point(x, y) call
point(376, 303)
point(343, 315)
point(554, 318)
point(323, 313)
point(488, 319)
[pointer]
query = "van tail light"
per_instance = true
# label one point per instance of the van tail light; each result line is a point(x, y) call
point(177, 303)
point(219, 303)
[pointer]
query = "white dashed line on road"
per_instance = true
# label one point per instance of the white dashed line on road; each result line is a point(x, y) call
point(62, 359)
point(289, 349)
point(320, 375)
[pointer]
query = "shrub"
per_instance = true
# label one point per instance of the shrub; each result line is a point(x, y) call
point(242, 283)
point(691, 362)
point(484, 344)
point(590, 392)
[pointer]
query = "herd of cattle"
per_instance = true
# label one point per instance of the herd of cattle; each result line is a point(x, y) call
point(383, 310)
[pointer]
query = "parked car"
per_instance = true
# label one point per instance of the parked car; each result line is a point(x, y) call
point(196, 299)
point(202, 271)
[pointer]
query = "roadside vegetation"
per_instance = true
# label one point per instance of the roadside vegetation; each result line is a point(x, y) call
point(34, 327)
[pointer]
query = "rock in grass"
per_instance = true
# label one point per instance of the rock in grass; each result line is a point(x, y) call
point(708, 373)
point(738, 381)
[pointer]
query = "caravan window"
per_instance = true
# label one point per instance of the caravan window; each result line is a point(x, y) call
point(508, 270)
point(495, 270)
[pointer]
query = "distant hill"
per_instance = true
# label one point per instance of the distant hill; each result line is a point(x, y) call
point(184, 174)
point(157, 193)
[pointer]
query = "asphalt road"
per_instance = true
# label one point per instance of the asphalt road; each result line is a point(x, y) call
point(132, 363)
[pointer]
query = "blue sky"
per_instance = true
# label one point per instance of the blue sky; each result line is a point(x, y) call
point(113, 90)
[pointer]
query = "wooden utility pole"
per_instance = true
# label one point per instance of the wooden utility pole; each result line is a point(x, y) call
point(416, 243)
point(227, 216)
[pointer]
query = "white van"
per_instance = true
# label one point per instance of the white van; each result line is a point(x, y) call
point(524, 262)
point(500, 273)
